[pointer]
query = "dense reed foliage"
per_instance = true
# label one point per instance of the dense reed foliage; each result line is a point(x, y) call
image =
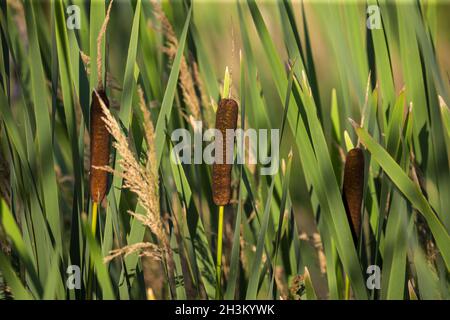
point(86, 121)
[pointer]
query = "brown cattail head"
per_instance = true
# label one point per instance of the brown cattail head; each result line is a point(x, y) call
point(226, 118)
point(353, 189)
point(99, 147)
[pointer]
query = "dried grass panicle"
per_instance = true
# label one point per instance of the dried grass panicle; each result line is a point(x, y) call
point(143, 181)
point(99, 45)
point(149, 133)
point(208, 112)
point(86, 60)
point(353, 187)
point(111, 81)
point(146, 249)
point(187, 87)
point(186, 80)
point(200, 85)
point(317, 241)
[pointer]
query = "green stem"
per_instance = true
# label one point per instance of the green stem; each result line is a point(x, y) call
point(219, 253)
point(347, 287)
point(91, 263)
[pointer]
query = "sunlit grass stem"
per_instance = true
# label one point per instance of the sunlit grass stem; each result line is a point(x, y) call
point(219, 253)
point(91, 263)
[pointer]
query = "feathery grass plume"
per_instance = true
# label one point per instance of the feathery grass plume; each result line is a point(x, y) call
point(207, 111)
point(138, 179)
point(99, 45)
point(199, 83)
point(226, 118)
point(186, 81)
point(146, 249)
point(86, 59)
point(100, 151)
point(149, 134)
point(353, 189)
point(143, 181)
point(111, 81)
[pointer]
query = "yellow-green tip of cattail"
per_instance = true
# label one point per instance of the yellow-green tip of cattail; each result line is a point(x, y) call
point(226, 118)
point(100, 151)
point(353, 187)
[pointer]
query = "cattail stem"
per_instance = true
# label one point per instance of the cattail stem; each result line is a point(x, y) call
point(226, 118)
point(219, 253)
point(347, 287)
point(100, 140)
point(91, 263)
point(94, 217)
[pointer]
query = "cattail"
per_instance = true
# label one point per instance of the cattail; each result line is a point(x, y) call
point(99, 147)
point(99, 132)
point(226, 118)
point(353, 189)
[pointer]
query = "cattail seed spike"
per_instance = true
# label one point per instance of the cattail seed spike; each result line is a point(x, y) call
point(226, 118)
point(353, 187)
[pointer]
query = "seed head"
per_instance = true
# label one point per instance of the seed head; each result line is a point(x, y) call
point(226, 118)
point(99, 147)
point(353, 189)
